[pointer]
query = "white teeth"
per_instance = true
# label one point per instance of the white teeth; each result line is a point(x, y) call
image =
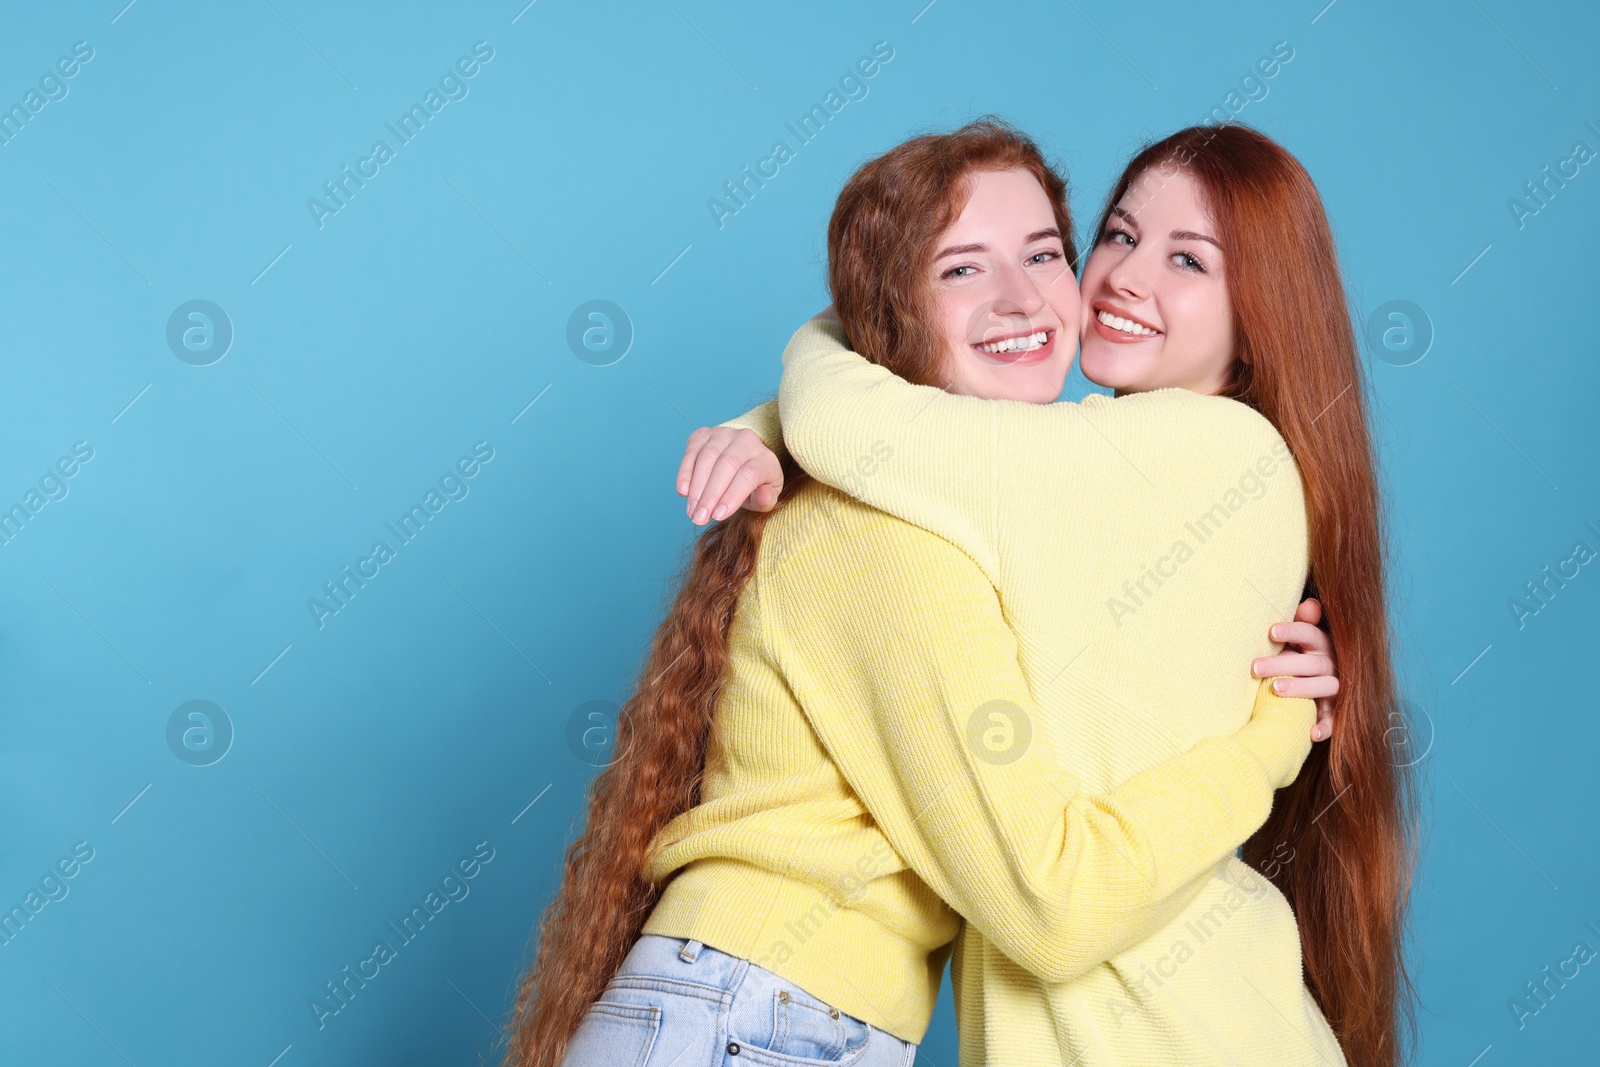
point(1117, 322)
point(1017, 344)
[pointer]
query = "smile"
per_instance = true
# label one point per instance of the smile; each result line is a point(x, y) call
point(1025, 343)
point(1117, 322)
point(1020, 350)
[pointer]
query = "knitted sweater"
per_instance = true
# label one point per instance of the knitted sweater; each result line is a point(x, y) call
point(1141, 545)
point(879, 766)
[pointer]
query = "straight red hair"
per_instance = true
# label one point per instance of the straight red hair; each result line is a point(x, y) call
point(1350, 814)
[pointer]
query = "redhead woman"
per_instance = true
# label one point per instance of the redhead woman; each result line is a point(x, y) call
point(1212, 293)
point(835, 754)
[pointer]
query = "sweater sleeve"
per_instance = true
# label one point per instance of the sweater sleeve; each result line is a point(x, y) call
point(928, 456)
point(913, 685)
point(763, 421)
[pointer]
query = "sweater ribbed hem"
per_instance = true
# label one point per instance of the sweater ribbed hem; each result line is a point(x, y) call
point(803, 936)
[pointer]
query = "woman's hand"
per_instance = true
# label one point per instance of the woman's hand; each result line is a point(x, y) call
point(1309, 662)
point(724, 468)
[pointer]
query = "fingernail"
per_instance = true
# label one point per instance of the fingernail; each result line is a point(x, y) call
point(1277, 685)
point(1255, 670)
point(1277, 633)
point(722, 509)
point(700, 515)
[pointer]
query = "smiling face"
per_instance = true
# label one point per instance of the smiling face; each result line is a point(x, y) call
point(1156, 312)
point(1006, 300)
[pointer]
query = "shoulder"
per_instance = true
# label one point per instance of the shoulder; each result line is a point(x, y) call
point(824, 542)
point(1170, 410)
point(1183, 403)
point(1218, 423)
point(1215, 455)
point(820, 520)
point(835, 577)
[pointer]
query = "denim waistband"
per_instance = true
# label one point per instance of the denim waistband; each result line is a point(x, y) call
point(697, 969)
point(655, 955)
point(744, 1007)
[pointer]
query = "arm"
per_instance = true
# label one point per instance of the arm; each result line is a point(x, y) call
point(918, 452)
point(944, 462)
point(908, 680)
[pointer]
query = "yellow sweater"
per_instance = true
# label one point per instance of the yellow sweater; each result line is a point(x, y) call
point(1140, 546)
point(878, 765)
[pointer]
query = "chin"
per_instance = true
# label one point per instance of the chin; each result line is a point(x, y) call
point(1107, 374)
point(1047, 390)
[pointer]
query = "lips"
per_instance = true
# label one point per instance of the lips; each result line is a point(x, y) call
point(1019, 349)
point(1118, 325)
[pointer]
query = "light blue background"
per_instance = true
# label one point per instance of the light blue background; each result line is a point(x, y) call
point(373, 753)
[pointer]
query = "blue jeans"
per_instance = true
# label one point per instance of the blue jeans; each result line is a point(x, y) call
point(678, 1003)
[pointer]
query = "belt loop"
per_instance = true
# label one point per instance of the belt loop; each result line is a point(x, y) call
point(690, 951)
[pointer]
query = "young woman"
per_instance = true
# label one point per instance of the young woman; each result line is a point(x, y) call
point(1213, 272)
point(834, 754)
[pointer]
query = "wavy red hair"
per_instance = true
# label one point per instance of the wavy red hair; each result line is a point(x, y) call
point(880, 240)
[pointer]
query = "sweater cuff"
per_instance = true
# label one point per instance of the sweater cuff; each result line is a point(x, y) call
point(1279, 733)
point(763, 421)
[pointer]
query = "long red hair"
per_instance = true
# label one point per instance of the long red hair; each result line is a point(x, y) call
point(880, 240)
point(1350, 814)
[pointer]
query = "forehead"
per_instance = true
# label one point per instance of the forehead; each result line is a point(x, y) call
point(999, 198)
point(1174, 201)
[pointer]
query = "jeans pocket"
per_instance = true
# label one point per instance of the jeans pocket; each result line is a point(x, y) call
point(814, 1033)
point(613, 1035)
point(798, 1032)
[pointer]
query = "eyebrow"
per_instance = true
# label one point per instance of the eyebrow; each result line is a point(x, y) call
point(958, 250)
point(1190, 235)
point(1177, 235)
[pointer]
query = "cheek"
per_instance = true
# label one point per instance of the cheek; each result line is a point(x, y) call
point(1094, 273)
point(1067, 302)
point(954, 307)
point(1217, 343)
point(954, 312)
point(1200, 322)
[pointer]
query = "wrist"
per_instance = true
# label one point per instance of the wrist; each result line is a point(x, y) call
point(1278, 734)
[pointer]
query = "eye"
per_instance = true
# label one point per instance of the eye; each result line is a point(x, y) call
point(951, 273)
point(1188, 262)
point(1044, 257)
point(1115, 236)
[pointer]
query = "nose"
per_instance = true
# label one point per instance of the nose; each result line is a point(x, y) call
point(1018, 291)
point(1129, 275)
